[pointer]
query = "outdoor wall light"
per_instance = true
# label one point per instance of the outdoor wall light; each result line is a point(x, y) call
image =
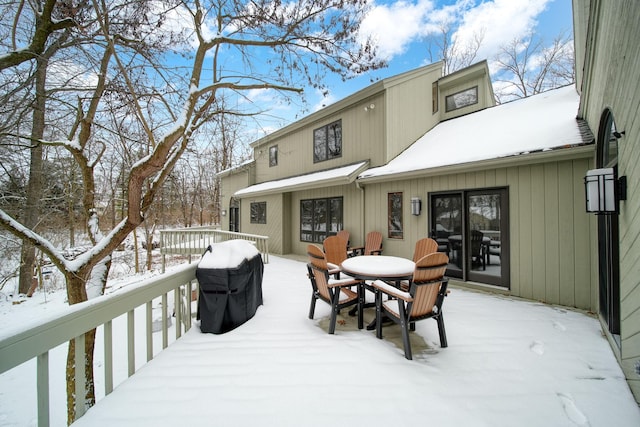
point(604, 191)
point(370, 107)
point(223, 212)
point(416, 206)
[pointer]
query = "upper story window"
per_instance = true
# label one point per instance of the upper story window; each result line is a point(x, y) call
point(273, 156)
point(327, 142)
point(462, 99)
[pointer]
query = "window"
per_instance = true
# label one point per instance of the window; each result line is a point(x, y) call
point(258, 212)
point(394, 215)
point(327, 142)
point(462, 99)
point(609, 232)
point(434, 97)
point(273, 156)
point(472, 228)
point(320, 218)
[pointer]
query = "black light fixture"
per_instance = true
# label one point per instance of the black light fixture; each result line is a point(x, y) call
point(603, 191)
point(416, 206)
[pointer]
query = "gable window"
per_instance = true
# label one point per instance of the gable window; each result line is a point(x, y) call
point(462, 99)
point(258, 212)
point(273, 156)
point(320, 218)
point(327, 142)
point(394, 215)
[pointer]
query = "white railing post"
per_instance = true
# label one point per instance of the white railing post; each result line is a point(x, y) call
point(194, 241)
point(35, 340)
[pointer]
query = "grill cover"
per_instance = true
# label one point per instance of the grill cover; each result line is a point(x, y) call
point(230, 295)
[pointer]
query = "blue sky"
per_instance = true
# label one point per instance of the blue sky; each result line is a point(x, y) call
point(403, 30)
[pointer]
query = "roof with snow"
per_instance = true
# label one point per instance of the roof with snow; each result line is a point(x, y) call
point(336, 176)
point(542, 122)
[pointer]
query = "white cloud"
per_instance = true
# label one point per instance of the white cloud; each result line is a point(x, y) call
point(501, 21)
point(396, 25)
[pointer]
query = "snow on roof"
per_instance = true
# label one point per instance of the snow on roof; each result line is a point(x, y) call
point(541, 122)
point(344, 174)
point(228, 254)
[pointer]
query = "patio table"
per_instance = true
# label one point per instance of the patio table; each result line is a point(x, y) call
point(378, 267)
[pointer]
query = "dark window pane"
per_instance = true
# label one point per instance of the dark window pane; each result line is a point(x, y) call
point(320, 144)
point(395, 216)
point(327, 142)
point(258, 212)
point(462, 99)
point(320, 218)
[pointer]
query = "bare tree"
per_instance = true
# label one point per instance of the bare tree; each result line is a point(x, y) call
point(123, 47)
point(452, 51)
point(526, 67)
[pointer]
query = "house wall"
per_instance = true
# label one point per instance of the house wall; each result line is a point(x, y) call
point(352, 213)
point(362, 139)
point(410, 112)
point(551, 238)
point(611, 73)
point(467, 78)
point(228, 186)
point(275, 224)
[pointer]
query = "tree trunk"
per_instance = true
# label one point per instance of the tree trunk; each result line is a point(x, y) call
point(34, 186)
point(76, 292)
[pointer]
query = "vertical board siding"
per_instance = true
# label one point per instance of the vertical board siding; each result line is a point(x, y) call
point(552, 225)
point(274, 226)
point(523, 223)
point(566, 242)
point(583, 293)
point(538, 222)
point(549, 231)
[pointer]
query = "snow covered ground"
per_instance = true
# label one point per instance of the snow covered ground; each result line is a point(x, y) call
point(509, 363)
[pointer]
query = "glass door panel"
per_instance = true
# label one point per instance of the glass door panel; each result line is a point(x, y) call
point(446, 214)
point(471, 227)
point(485, 235)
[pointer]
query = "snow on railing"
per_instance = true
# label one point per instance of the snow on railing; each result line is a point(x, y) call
point(36, 341)
point(194, 241)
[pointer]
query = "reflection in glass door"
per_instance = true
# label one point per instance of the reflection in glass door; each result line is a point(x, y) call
point(487, 227)
point(472, 228)
point(446, 229)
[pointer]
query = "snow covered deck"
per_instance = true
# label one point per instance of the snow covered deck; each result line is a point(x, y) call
point(509, 362)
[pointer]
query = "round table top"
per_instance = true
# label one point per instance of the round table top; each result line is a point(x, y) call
point(379, 266)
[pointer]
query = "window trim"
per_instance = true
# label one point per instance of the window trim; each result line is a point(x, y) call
point(273, 156)
point(325, 143)
point(318, 236)
point(258, 212)
point(446, 99)
point(395, 213)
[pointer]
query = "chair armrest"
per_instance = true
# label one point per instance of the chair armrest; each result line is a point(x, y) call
point(335, 283)
point(392, 290)
point(357, 250)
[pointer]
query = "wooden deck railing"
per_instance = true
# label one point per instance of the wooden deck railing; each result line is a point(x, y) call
point(194, 241)
point(35, 342)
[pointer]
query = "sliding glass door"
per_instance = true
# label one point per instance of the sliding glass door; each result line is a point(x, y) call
point(472, 228)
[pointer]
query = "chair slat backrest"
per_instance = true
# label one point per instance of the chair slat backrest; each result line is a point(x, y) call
point(427, 279)
point(476, 242)
point(318, 267)
point(424, 247)
point(335, 249)
point(344, 235)
point(373, 242)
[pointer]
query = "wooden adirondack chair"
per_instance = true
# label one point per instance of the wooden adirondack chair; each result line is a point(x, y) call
point(423, 300)
point(336, 293)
